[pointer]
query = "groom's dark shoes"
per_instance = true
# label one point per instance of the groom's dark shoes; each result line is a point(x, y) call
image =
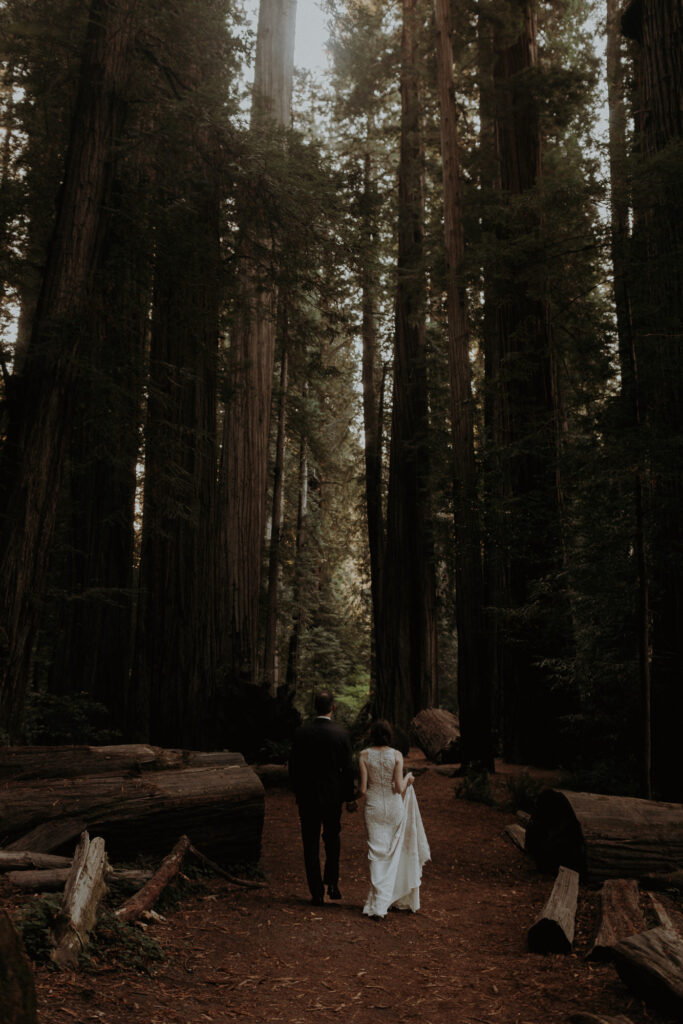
point(333, 892)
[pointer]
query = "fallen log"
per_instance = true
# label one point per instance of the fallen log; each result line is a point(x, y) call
point(517, 833)
point(669, 880)
point(66, 762)
point(84, 890)
point(56, 878)
point(651, 965)
point(146, 897)
point(437, 733)
point(553, 929)
point(605, 836)
point(15, 860)
point(17, 987)
point(660, 913)
point(620, 916)
point(221, 806)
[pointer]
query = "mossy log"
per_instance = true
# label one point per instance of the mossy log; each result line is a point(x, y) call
point(651, 965)
point(220, 806)
point(605, 836)
point(620, 916)
point(437, 733)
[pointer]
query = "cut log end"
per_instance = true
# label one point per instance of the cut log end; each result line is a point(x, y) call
point(553, 929)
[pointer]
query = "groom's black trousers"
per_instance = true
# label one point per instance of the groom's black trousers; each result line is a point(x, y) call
point(313, 821)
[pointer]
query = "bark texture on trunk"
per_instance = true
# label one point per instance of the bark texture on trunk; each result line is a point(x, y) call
point(657, 315)
point(474, 693)
point(409, 664)
point(246, 429)
point(41, 399)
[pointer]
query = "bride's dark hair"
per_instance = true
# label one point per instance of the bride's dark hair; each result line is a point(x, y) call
point(381, 733)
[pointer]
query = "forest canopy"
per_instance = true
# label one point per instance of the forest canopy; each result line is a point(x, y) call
point(370, 379)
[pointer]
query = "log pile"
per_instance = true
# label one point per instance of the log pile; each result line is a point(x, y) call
point(605, 836)
point(437, 733)
point(137, 798)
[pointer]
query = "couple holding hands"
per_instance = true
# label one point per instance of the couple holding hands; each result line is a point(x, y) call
point(321, 773)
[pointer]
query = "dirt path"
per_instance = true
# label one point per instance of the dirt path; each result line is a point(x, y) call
point(266, 955)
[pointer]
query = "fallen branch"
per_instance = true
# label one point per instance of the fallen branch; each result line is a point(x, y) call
point(84, 890)
point(218, 870)
point(56, 878)
point(553, 929)
point(17, 859)
point(145, 897)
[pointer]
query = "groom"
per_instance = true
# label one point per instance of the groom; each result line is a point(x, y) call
point(321, 773)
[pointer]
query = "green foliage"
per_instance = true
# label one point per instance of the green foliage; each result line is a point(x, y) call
point(115, 942)
point(54, 719)
point(475, 786)
point(34, 921)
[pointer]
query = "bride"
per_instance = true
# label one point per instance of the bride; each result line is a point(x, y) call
point(397, 844)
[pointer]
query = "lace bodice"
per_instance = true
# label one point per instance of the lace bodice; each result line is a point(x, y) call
point(381, 764)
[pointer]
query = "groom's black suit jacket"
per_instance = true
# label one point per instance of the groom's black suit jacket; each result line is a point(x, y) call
point(320, 765)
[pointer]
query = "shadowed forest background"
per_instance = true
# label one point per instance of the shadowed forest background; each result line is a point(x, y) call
point(374, 383)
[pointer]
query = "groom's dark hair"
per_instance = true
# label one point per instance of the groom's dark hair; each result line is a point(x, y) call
point(323, 702)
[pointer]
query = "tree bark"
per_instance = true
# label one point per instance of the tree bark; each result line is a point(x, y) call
point(17, 987)
point(270, 677)
point(620, 916)
point(437, 734)
point(651, 965)
point(246, 428)
point(474, 693)
point(524, 409)
point(34, 451)
point(409, 662)
point(657, 314)
point(220, 806)
point(605, 836)
point(22, 764)
point(553, 929)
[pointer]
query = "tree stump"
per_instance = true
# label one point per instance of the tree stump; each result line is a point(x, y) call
point(620, 916)
point(553, 929)
point(437, 734)
point(84, 890)
point(17, 987)
point(605, 836)
point(651, 965)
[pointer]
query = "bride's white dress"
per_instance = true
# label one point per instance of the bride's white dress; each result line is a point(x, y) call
point(397, 844)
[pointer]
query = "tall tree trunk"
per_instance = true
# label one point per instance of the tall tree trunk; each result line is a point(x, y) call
point(409, 675)
point(373, 386)
point(295, 637)
point(270, 678)
point(175, 661)
point(41, 399)
point(474, 694)
point(619, 225)
point(657, 314)
point(525, 416)
point(246, 431)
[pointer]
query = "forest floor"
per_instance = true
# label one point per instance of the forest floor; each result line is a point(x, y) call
point(266, 955)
